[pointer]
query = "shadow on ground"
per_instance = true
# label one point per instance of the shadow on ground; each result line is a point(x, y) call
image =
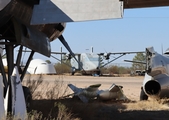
point(96, 110)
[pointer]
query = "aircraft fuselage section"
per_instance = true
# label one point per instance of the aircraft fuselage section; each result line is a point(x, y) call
point(156, 81)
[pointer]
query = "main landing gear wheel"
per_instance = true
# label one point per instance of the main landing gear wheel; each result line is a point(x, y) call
point(143, 96)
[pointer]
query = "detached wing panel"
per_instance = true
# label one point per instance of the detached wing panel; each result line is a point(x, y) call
point(56, 11)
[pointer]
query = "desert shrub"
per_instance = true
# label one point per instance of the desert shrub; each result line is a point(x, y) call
point(62, 68)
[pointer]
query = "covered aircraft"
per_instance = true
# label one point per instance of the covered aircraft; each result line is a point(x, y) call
point(85, 94)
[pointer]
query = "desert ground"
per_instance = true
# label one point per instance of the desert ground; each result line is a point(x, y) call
point(101, 110)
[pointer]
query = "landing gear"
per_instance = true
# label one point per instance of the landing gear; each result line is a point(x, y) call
point(73, 70)
point(143, 96)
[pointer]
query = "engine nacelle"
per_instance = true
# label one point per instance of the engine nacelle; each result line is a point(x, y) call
point(152, 87)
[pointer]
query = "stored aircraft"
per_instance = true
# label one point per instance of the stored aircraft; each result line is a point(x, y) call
point(85, 94)
point(90, 63)
point(35, 23)
point(156, 81)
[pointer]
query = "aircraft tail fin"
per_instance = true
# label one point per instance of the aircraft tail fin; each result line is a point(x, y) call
point(78, 92)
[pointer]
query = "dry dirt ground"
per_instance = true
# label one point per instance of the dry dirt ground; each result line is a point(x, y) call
point(103, 110)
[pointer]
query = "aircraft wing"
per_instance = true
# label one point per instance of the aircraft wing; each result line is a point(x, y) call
point(56, 11)
point(141, 62)
point(114, 53)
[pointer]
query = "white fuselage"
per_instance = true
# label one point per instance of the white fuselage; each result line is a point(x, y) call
point(89, 61)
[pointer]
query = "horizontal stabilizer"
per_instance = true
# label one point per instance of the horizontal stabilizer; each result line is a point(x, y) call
point(74, 88)
point(57, 11)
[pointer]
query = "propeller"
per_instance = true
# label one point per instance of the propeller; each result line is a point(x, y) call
point(107, 56)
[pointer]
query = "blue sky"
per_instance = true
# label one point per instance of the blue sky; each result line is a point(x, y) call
point(138, 29)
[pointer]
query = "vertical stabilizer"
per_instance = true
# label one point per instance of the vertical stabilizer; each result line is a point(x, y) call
point(18, 100)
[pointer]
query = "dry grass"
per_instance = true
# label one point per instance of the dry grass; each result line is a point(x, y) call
point(44, 91)
point(149, 105)
point(47, 106)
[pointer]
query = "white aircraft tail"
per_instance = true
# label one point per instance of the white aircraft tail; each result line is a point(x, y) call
point(18, 100)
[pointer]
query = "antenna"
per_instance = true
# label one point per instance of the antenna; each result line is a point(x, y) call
point(162, 49)
point(91, 49)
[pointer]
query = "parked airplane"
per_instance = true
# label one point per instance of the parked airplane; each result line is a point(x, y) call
point(90, 63)
point(156, 80)
point(85, 94)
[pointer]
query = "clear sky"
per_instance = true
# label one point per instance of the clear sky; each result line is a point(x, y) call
point(138, 29)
